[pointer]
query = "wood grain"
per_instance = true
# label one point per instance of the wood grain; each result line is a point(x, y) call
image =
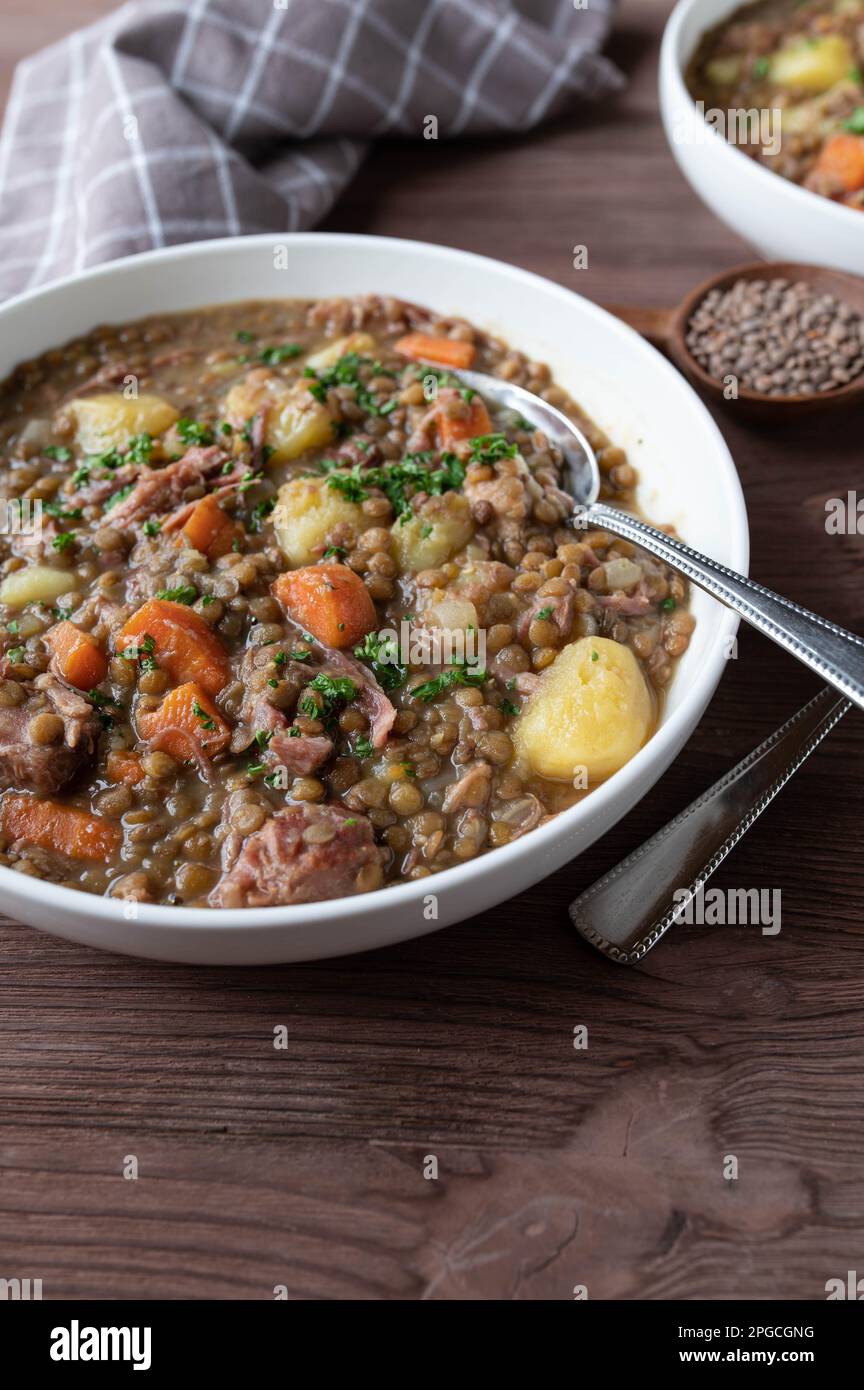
point(557, 1167)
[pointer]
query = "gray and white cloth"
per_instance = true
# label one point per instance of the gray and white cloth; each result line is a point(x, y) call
point(174, 120)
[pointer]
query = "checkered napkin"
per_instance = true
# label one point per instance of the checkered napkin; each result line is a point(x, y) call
point(173, 121)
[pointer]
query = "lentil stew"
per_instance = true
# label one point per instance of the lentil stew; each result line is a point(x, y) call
point(301, 617)
point(805, 60)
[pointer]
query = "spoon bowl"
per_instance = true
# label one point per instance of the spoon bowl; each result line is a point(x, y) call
point(834, 654)
point(667, 329)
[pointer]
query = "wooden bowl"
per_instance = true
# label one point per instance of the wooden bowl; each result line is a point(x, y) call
point(667, 329)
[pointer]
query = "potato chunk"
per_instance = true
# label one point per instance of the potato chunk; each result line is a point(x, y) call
point(110, 421)
point(592, 710)
point(307, 511)
point(436, 530)
point(361, 343)
point(812, 64)
point(295, 420)
point(36, 584)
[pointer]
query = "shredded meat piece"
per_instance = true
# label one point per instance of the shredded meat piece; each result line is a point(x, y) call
point(163, 489)
point(472, 789)
point(43, 768)
point(302, 854)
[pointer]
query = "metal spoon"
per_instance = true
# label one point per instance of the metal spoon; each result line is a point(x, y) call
point(626, 912)
point(834, 654)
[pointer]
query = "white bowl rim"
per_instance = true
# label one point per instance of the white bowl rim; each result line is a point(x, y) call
point(672, 67)
point(163, 917)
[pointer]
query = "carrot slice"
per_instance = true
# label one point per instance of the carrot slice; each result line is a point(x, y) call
point(76, 656)
point(841, 159)
point(459, 420)
point(447, 352)
point(187, 724)
point(51, 825)
point(330, 600)
point(210, 529)
point(184, 645)
point(124, 767)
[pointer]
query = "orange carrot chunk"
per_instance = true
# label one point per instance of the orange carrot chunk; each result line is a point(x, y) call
point(125, 767)
point(209, 529)
point(459, 420)
point(183, 646)
point(187, 724)
point(53, 826)
point(447, 352)
point(76, 657)
point(329, 600)
point(841, 160)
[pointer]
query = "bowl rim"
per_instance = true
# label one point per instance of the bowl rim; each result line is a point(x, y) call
point(672, 63)
point(158, 917)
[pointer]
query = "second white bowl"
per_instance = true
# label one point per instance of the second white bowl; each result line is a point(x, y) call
point(783, 221)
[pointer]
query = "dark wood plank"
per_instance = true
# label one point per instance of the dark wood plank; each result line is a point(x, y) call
point(558, 1167)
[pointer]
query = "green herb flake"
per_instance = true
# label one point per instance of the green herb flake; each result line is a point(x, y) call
point(192, 433)
point(184, 593)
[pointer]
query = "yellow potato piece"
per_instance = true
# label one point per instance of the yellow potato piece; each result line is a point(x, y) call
point(812, 64)
point(438, 528)
point(295, 420)
point(36, 584)
point(361, 343)
point(593, 710)
point(110, 421)
point(306, 511)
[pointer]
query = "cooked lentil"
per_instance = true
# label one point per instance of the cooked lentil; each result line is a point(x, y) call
point(255, 761)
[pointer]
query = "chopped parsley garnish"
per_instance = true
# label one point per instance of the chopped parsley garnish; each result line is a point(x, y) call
point(16, 655)
point(260, 513)
point(333, 691)
point(338, 551)
point(226, 427)
point(508, 707)
point(380, 654)
point(192, 433)
point(488, 448)
point(152, 528)
point(668, 604)
point(59, 452)
point(761, 67)
point(143, 651)
point(345, 373)
point(63, 541)
point(457, 675)
point(855, 123)
point(12, 627)
point(272, 683)
point(543, 613)
point(206, 600)
point(184, 593)
point(244, 337)
point(56, 509)
point(274, 355)
point(298, 654)
point(595, 656)
point(206, 720)
point(117, 497)
point(140, 449)
point(415, 473)
point(363, 747)
point(254, 768)
point(279, 659)
point(263, 737)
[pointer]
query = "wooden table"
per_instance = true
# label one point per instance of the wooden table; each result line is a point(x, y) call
point(557, 1167)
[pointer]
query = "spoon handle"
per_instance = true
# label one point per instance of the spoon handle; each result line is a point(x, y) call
point(625, 913)
point(834, 654)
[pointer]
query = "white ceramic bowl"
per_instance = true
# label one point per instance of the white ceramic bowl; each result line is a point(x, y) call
point(783, 221)
point(687, 478)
